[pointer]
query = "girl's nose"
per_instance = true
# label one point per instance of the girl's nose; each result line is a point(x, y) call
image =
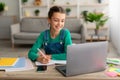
point(59, 23)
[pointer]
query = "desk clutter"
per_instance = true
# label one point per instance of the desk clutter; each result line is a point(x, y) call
point(15, 64)
point(113, 69)
point(8, 61)
point(9, 64)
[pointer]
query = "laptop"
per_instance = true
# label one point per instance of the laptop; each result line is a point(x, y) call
point(84, 58)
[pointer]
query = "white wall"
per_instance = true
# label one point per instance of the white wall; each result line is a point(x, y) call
point(115, 23)
point(13, 7)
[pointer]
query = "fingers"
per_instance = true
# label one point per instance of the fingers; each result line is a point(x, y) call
point(44, 60)
point(48, 57)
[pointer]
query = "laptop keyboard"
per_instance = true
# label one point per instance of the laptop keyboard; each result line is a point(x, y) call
point(64, 70)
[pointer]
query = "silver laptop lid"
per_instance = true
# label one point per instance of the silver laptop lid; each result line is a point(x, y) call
point(86, 58)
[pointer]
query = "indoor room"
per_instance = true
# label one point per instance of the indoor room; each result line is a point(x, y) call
point(88, 21)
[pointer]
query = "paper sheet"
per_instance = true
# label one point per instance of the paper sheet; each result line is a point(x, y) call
point(22, 65)
point(28, 66)
point(52, 62)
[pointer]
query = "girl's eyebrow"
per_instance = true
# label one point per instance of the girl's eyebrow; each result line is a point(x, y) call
point(57, 18)
point(54, 18)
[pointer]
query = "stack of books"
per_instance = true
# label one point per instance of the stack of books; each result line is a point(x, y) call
point(5, 61)
point(113, 61)
point(15, 64)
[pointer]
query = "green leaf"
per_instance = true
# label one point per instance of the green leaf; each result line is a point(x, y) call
point(2, 6)
point(98, 18)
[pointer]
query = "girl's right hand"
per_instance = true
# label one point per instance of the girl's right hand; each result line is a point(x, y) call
point(44, 60)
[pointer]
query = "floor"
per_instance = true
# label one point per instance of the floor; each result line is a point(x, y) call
point(7, 51)
point(21, 50)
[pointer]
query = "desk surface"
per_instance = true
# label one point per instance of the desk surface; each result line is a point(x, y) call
point(52, 74)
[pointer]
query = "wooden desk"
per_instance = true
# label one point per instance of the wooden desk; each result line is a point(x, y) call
point(52, 74)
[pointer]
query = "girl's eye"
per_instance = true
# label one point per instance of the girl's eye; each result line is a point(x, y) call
point(55, 20)
point(62, 21)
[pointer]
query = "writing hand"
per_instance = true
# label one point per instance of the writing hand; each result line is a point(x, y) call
point(44, 60)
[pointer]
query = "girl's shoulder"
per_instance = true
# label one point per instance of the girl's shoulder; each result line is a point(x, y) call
point(42, 33)
point(66, 30)
point(45, 31)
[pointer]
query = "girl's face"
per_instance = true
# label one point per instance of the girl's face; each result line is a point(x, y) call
point(57, 21)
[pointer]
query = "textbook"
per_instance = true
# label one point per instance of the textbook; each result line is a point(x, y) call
point(52, 62)
point(28, 66)
point(21, 65)
point(113, 61)
point(7, 61)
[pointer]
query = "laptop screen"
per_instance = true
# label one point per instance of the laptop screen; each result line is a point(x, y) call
point(86, 58)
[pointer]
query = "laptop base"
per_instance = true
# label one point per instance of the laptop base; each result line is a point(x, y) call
point(61, 69)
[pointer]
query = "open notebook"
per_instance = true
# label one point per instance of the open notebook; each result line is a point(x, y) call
point(52, 62)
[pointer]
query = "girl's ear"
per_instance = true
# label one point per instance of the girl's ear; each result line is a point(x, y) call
point(48, 20)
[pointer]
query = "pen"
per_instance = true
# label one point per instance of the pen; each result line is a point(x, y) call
point(41, 53)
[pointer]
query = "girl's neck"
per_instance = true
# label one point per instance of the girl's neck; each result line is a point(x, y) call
point(53, 34)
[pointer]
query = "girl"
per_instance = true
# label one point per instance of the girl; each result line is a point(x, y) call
point(55, 40)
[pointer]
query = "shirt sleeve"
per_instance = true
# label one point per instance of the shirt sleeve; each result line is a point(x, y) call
point(32, 54)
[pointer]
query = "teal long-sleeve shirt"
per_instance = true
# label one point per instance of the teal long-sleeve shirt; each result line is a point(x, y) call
point(33, 52)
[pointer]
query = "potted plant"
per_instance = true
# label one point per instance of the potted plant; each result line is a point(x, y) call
point(24, 1)
point(53, 1)
point(68, 10)
point(84, 15)
point(67, 3)
point(99, 1)
point(37, 11)
point(98, 18)
point(2, 6)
